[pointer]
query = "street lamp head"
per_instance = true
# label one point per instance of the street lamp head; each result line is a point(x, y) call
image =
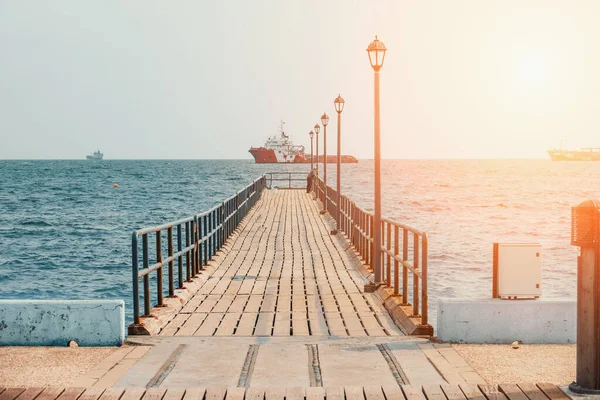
point(311, 134)
point(339, 104)
point(324, 119)
point(376, 52)
point(317, 128)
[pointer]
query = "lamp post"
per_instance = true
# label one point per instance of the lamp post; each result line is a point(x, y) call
point(311, 134)
point(339, 107)
point(317, 163)
point(376, 51)
point(324, 121)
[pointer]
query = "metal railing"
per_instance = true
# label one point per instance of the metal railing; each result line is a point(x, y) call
point(289, 179)
point(403, 248)
point(197, 239)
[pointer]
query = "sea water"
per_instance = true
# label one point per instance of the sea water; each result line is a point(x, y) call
point(65, 230)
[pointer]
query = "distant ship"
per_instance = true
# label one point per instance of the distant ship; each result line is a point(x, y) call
point(282, 150)
point(95, 155)
point(584, 154)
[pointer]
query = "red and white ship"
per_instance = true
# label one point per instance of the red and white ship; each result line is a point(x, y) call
point(279, 150)
point(282, 150)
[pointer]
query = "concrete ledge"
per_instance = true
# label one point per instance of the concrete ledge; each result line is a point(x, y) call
point(56, 322)
point(504, 321)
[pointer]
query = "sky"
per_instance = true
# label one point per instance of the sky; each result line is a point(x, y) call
point(190, 79)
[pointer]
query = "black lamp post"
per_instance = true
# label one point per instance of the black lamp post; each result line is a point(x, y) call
point(376, 52)
point(311, 134)
point(324, 121)
point(339, 107)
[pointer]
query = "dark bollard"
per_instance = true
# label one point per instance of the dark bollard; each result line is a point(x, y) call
point(585, 232)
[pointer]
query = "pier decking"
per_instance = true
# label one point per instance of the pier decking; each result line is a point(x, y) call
point(283, 274)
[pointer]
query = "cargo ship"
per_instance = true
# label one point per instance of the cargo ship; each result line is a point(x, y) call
point(584, 154)
point(281, 149)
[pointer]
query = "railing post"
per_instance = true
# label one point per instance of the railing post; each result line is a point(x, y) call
point(424, 307)
point(204, 239)
point(371, 241)
point(415, 277)
point(396, 252)
point(136, 282)
point(159, 295)
point(171, 263)
point(146, 277)
point(389, 258)
point(196, 246)
point(210, 236)
point(404, 269)
point(188, 274)
point(180, 258)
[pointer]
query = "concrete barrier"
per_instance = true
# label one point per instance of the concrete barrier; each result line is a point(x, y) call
point(56, 322)
point(504, 321)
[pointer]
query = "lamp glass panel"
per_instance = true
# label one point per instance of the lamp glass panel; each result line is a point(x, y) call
point(372, 57)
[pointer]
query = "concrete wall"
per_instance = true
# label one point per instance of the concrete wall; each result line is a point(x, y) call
point(504, 321)
point(56, 322)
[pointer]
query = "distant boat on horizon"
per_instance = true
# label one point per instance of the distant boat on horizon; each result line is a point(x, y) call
point(584, 154)
point(97, 155)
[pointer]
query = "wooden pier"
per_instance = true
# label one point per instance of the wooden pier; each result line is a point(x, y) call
point(284, 274)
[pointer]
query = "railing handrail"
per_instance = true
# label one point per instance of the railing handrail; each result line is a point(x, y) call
point(357, 224)
point(205, 233)
point(287, 177)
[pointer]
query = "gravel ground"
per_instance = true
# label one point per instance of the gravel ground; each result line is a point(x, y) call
point(47, 366)
point(500, 363)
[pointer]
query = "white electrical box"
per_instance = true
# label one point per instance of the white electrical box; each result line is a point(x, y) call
point(517, 270)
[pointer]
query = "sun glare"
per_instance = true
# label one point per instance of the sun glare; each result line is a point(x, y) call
point(533, 70)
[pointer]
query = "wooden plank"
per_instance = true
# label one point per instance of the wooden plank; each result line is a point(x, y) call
point(472, 392)
point(491, 392)
point(264, 324)
point(453, 392)
point(194, 394)
point(135, 393)
point(374, 393)
point(246, 325)
point(552, 391)
point(253, 393)
point(114, 393)
point(532, 392)
point(215, 393)
point(174, 394)
point(282, 324)
point(393, 393)
point(154, 393)
point(30, 393)
point(12, 393)
point(275, 393)
point(236, 393)
point(354, 393)
point(315, 393)
point(334, 393)
point(412, 393)
point(191, 324)
point(512, 391)
point(228, 324)
point(50, 393)
point(433, 392)
point(173, 326)
point(92, 393)
point(294, 393)
point(210, 324)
